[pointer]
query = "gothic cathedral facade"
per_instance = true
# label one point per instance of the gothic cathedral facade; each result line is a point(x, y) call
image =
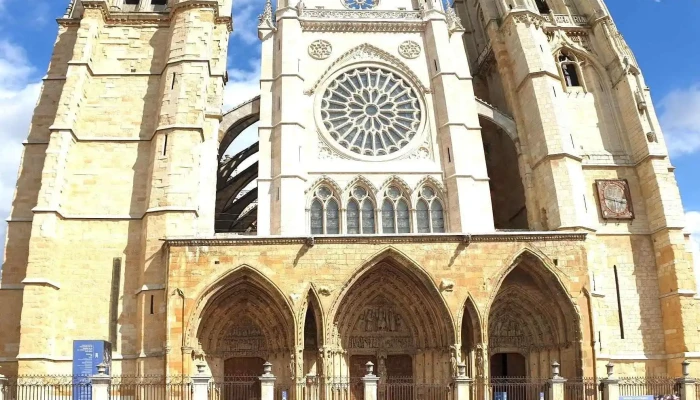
point(484, 182)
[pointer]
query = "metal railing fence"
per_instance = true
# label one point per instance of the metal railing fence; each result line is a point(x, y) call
point(583, 389)
point(234, 388)
point(498, 388)
point(406, 389)
point(649, 385)
point(150, 387)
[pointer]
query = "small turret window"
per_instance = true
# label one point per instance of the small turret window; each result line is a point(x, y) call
point(542, 6)
point(570, 69)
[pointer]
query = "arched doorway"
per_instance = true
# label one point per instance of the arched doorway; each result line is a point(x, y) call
point(391, 314)
point(532, 323)
point(244, 321)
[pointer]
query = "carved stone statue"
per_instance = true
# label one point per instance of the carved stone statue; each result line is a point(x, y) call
point(453, 361)
point(292, 368)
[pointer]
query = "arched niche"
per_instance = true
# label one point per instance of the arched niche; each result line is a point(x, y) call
point(532, 315)
point(311, 323)
point(241, 319)
point(471, 338)
point(392, 314)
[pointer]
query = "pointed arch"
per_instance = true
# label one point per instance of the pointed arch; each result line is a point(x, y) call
point(311, 301)
point(241, 305)
point(327, 181)
point(531, 312)
point(434, 183)
point(409, 284)
point(398, 181)
point(368, 52)
point(361, 180)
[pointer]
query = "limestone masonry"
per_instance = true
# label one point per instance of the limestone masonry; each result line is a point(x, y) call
point(484, 183)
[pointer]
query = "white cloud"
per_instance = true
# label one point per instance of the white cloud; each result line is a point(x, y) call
point(18, 95)
point(680, 120)
point(243, 85)
point(693, 226)
point(245, 20)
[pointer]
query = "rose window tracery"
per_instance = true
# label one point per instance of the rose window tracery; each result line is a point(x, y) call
point(371, 112)
point(360, 4)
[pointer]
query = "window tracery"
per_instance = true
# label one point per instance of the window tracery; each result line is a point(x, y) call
point(324, 212)
point(570, 69)
point(371, 112)
point(396, 216)
point(360, 212)
point(430, 215)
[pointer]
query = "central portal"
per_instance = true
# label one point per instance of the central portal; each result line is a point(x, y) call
point(393, 316)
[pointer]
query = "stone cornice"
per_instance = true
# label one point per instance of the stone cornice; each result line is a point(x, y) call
point(362, 26)
point(496, 237)
point(148, 18)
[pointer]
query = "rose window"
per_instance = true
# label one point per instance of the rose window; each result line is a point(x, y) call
point(371, 112)
point(360, 4)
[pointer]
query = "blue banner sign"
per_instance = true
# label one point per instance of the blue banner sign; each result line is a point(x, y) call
point(87, 355)
point(500, 396)
point(644, 397)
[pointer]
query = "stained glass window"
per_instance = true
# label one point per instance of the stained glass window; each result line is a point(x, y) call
point(371, 111)
point(429, 212)
point(324, 212)
point(353, 217)
point(388, 217)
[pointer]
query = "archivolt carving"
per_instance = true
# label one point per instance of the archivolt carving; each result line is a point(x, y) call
point(376, 308)
point(367, 52)
point(245, 306)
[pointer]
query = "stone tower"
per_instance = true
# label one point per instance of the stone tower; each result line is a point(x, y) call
point(125, 126)
point(497, 162)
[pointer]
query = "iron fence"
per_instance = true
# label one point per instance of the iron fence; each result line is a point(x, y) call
point(516, 389)
point(150, 388)
point(234, 388)
point(583, 389)
point(406, 389)
point(657, 386)
point(60, 387)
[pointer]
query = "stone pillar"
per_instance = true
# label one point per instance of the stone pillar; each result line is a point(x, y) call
point(267, 383)
point(686, 383)
point(100, 383)
point(463, 384)
point(611, 388)
point(556, 384)
point(200, 384)
point(370, 381)
point(3, 384)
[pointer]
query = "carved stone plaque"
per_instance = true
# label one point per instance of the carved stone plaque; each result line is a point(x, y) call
point(381, 326)
point(614, 198)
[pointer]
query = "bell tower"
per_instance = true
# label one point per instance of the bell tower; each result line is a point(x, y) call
point(373, 95)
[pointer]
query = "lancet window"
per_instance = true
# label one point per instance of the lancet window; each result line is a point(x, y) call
point(360, 212)
point(325, 212)
point(396, 216)
point(570, 69)
point(430, 215)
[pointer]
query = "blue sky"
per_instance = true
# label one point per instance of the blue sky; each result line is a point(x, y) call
point(661, 33)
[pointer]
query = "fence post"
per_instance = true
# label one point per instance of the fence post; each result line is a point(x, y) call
point(462, 383)
point(611, 387)
point(100, 383)
point(267, 383)
point(200, 384)
point(686, 383)
point(3, 385)
point(556, 384)
point(370, 382)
